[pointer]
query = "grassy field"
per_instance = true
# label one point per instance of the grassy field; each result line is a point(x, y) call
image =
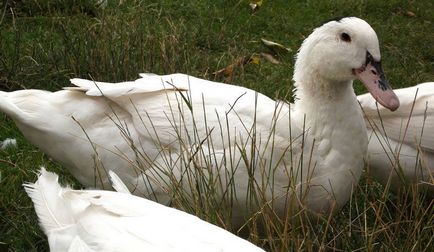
point(44, 43)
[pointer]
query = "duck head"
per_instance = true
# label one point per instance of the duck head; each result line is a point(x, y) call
point(343, 50)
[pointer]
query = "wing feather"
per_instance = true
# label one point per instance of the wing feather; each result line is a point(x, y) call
point(150, 84)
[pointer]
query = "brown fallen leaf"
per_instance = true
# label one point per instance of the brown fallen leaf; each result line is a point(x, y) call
point(410, 14)
point(275, 47)
point(270, 58)
point(228, 71)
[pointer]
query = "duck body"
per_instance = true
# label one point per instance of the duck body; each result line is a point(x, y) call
point(85, 139)
point(96, 220)
point(401, 144)
point(161, 131)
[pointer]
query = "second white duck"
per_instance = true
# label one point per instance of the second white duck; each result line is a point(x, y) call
point(401, 144)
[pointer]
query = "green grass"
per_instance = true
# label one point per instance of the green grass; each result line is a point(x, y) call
point(45, 43)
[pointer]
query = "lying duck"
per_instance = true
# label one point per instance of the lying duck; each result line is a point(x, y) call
point(401, 144)
point(94, 220)
point(163, 133)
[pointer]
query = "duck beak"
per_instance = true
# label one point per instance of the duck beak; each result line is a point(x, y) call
point(372, 76)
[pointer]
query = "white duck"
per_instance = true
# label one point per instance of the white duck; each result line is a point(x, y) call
point(94, 220)
point(401, 144)
point(160, 131)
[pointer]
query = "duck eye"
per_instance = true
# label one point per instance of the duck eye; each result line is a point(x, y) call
point(345, 37)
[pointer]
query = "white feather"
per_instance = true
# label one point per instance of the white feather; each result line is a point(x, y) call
point(8, 143)
point(52, 212)
point(117, 183)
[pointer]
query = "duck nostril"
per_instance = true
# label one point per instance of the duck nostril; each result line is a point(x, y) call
point(374, 72)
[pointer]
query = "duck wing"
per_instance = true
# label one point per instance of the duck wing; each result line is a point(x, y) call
point(166, 108)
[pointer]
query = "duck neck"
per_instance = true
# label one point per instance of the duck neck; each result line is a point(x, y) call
point(325, 101)
point(334, 120)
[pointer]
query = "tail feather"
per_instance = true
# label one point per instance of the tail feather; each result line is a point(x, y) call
point(46, 194)
point(117, 183)
point(9, 108)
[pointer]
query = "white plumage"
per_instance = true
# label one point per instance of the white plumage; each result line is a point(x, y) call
point(401, 144)
point(94, 220)
point(8, 143)
point(161, 132)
